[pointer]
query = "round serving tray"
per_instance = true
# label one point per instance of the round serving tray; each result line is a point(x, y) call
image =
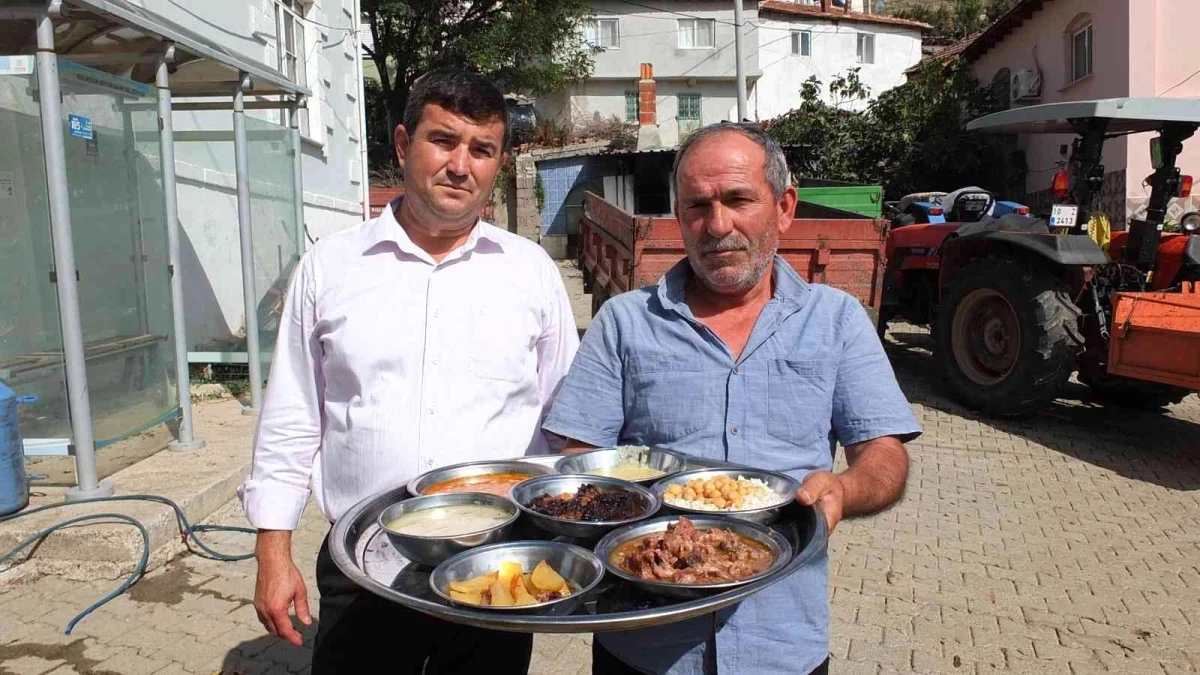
point(363, 553)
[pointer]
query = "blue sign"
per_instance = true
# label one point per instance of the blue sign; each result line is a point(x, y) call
point(81, 127)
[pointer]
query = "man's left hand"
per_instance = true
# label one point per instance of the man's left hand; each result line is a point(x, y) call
point(826, 491)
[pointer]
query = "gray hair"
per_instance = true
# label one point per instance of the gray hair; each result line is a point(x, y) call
point(775, 168)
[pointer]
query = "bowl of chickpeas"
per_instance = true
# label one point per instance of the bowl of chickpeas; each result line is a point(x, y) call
point(750, 494)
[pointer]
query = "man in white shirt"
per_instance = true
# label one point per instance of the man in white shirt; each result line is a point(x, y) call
point(422, 338)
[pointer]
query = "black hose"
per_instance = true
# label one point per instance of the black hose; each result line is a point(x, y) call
point(188, 531)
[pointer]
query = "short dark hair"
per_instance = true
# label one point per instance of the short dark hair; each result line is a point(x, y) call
point(460, 92)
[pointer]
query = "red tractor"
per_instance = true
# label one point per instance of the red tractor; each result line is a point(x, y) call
point(1016, 304)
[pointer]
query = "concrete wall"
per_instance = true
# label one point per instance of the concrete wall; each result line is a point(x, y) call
point(834, 52)
point(650, 36)
point(1110, 74)
point(333, 192)
point(1164, 32)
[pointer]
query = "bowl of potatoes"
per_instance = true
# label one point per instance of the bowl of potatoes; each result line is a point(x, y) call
point(529, 577)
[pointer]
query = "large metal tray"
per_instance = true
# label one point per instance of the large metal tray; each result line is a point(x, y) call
point(364, 555)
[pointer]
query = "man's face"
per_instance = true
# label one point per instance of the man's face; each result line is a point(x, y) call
point(450, 164)
point(729, 217)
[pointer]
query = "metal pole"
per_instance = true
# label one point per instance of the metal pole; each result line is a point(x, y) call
point(741, 66)
point(78, 403)
point(242, 161)
point(298, 180)
point(187, 439)
point(365, 187)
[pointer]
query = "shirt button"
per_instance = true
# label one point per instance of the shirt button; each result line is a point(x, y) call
point(434, 362)
point(734, 430)
point(737, 370)
point(433, 411)
point(429, 462)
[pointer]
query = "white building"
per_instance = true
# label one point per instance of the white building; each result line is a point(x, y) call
point(798, 40)
point(318, 51)
point(690, 46)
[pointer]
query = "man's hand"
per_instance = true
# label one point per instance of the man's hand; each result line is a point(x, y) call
point(826, 491)
point(875, 479)
point(279, 586)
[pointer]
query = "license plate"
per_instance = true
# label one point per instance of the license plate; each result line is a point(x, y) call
point(1062, 215)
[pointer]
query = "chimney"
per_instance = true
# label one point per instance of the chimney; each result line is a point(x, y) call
point(648, 136)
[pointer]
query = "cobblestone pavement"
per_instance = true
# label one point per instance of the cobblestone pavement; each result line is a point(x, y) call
point(1065, 543)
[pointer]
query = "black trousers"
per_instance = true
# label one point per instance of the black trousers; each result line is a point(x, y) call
point(359, 632)
point(605, 662)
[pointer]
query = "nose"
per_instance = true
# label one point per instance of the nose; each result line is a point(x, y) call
point(459, 161)
point(720, 222)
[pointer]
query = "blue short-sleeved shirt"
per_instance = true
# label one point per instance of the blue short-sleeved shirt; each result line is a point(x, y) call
point(813, 374)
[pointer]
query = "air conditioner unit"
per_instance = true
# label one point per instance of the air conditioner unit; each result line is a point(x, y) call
point(1026, 85)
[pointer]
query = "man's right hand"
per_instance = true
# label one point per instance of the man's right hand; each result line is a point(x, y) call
point(279, 586)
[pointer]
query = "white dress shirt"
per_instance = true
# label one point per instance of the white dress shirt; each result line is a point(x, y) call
point(389, 364)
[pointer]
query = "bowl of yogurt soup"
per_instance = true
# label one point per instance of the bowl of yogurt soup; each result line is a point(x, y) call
point(431, 529)
point(634, 463)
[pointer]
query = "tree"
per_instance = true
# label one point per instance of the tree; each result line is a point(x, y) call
point(911, 139)
point(531, 46)
point(959, 18)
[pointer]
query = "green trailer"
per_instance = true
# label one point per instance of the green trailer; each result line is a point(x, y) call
point(866, 200)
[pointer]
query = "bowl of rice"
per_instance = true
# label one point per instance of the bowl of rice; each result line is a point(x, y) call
point(755, 495)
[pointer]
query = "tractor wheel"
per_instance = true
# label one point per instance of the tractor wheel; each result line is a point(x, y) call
point(1007, 336)
point(1131, 393)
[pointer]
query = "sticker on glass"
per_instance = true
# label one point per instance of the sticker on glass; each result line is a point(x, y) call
point(80, 126)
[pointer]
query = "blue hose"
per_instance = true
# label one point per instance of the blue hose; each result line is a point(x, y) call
point(188, 531)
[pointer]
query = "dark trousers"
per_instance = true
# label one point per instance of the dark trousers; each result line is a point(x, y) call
point(359, 632)
point(605, 662)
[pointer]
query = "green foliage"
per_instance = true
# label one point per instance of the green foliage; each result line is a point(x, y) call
point(527, 46)
point(539, 192)
point(911, 139)
point(960, 18)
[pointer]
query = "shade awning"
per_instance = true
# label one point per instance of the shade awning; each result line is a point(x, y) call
point(1125, 115)
point(124, 39)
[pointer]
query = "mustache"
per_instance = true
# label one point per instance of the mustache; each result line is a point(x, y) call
point(730, 242)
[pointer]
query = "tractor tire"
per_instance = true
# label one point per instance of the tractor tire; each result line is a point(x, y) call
point(1007, 336)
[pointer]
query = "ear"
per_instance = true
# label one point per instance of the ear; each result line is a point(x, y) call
point(787, 208)
point(401, 141)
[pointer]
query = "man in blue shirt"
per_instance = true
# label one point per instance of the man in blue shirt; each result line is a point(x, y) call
point(733, 356)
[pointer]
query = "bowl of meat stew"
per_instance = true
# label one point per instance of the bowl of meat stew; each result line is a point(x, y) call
point(693, 556)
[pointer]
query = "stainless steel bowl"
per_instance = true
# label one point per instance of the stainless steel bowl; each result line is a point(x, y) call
point(781, 484)
point(605, 458)
point(418, 485)
point(774, 541)
point(433, 550)
point(526, 491)
point(579, 566)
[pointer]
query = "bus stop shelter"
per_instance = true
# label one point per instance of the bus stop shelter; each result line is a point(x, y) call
point(90, 230)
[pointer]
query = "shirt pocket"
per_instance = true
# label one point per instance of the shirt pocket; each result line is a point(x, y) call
point(799, 400)
point(666, 399)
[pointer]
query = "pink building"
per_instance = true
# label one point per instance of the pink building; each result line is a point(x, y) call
point(1088, 49)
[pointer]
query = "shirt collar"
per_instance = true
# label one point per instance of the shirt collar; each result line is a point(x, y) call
point(387, 228)
point(790, 289)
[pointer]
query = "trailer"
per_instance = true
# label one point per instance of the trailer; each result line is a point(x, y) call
point(621, 252)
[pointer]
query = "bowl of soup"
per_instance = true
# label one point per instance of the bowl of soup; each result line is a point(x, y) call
point(492, 477)
point(634, 463)
point(429, 530)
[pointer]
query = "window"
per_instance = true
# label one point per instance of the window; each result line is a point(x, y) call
point(631, 105)
point(866, 48)
point(689, 113)
point(697, 33)
point(289, 26)
point(604, 33)
point(802, 42)
point(1081, 54)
